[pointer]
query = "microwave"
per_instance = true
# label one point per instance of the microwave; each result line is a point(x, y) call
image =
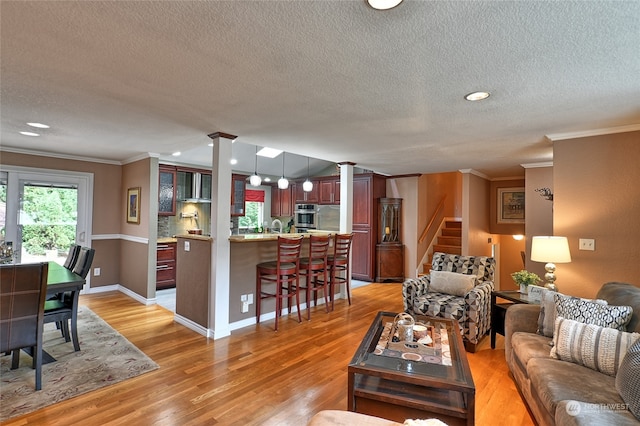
point(305, 216)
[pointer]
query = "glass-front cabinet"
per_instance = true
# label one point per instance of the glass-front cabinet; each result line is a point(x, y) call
point(167, 191)
point(238, 183)
point(389, 250)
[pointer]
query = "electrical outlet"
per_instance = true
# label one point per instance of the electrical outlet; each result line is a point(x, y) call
point(587, 244)
point(187, 246)
point(96, 272)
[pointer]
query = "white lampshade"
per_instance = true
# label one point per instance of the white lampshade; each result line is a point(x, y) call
point(307, 186)
point(255, 180)
point(283, 183)
point(550, 249)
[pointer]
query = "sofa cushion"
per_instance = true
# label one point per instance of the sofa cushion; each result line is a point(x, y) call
point(577, 413)
point(623, 294)
point(451, 282)
point(547, 318)
point(440, 305)
point(627, 382)
point(554, 381)
point(599, 348)
point(526, 346)
point(589, 312)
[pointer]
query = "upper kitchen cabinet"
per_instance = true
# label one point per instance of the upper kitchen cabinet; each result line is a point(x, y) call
point(238, 183)
point(310, 197)
point(167, 191)
point(281, 202)
point(329, 190)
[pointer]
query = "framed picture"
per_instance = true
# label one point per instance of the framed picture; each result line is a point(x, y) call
point(510, 205)
point(133, 205)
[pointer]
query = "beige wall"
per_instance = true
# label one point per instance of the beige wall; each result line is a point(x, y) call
point(596, 195)
point(475, 216)
point(510, 259)
point(407, 189)
point(538, 211)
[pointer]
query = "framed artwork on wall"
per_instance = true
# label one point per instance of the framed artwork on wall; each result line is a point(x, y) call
point(510, 205)
point(133, 205)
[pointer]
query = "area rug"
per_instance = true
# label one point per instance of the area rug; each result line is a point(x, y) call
point(105, 358)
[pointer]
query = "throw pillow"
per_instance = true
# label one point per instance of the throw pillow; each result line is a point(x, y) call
point(627, 383)
point(547, 317)
point(599, 348)
point(451, 282)
point(590, 312)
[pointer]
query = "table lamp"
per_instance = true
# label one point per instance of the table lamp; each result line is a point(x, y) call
point(551, 250)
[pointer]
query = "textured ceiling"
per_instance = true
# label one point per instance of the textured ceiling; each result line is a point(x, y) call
point(334, 80)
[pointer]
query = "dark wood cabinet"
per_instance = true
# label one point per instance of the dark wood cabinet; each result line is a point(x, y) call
point(367, 188)
point(165, 265)
point(238, 184)
point(167, 191)
point(310, 197)
point(390, 262)
point(281, 202)
point(329, 190)
point(389, 250)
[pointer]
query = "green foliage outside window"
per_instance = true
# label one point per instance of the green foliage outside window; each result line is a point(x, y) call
point(252, 219)
point(48, 217)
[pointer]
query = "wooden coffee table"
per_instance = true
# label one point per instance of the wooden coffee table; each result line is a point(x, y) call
point(393, 385)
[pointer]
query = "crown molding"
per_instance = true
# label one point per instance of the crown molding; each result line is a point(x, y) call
point(61, 156)
point(474, 172)
point(139, 157)
point(537, 165)
point(595, 132)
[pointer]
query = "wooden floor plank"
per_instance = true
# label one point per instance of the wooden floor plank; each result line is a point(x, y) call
point(256, 376)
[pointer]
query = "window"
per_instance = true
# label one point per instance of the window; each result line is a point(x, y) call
point(254, 211)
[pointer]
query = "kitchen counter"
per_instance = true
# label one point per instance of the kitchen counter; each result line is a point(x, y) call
point(165, 240)
point(252, 238)
point(195, 237)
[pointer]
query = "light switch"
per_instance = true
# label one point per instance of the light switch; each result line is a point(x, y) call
point(187, 246)
point(96, 272)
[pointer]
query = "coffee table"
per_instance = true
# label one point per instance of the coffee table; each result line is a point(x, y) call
point(390, 386)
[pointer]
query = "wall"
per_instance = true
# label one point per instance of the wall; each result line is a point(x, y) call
point(510, 260)
point(475, 216)
point(596, 195)
point(538, 211)
point(107, 200)
point(407, 189)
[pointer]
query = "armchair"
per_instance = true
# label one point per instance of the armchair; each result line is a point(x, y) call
point(472, 310)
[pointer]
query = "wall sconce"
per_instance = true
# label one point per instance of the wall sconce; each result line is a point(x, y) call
point(546, 193)
point(518, 237)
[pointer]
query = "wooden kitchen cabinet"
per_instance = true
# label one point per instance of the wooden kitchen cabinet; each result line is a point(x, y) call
point(329, 191)
point(165, 265)
point(281, 202)
point(167, 191)
point(238, 184)
point(311, 197)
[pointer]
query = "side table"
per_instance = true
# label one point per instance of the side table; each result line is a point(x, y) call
point(499, 309)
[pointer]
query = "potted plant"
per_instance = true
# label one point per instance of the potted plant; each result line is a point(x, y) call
point(524, 278)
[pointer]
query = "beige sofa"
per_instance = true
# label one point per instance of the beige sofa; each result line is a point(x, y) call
point(561, 392)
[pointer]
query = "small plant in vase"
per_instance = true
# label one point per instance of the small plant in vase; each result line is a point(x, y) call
point(525, 278)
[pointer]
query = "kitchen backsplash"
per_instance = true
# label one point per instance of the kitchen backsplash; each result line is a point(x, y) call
point(197, 216)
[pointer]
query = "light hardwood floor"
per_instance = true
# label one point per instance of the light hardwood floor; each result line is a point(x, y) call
point(255, 376)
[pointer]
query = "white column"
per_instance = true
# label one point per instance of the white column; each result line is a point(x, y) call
point(346, 198)
point(220, 249)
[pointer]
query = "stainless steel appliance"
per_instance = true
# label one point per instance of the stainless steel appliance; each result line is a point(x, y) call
point(328, 218)
point(305, 216)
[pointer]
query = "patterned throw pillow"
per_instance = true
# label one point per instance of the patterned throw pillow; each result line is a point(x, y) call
point(451, 282)
point(589, 312)
point(547, 317)
point(599, 348)
point(627, 383)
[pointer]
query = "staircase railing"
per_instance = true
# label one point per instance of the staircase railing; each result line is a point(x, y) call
point(435, 215)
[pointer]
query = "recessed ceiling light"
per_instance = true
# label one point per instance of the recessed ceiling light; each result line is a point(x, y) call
point(267, 179)
point(269, 152)
point(29, 134)
point(211, 144)
point(38, 125)
point(233, 161)
point(477, 96)
point(383, 4)
point(177, 154)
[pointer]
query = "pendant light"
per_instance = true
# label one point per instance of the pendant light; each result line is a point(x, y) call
point(255, 179)
point(283, 183)
point(307, 186)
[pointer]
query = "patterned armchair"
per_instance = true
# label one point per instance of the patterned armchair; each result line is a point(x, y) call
point(472, 311)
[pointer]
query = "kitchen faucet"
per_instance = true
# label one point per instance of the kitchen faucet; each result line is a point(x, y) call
point(273, 226)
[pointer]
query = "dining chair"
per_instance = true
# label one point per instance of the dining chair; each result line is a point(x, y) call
point(23, 289)
point(313, 268)
point(61, 309)
point(284, 272)
point(72, 256)
point(340, 262)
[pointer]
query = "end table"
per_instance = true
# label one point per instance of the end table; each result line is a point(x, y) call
point(499, 310)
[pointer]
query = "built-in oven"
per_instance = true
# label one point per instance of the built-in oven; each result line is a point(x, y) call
point(305, 216)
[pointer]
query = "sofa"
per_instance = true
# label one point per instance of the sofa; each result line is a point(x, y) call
point(462, 293)
point(576, 390)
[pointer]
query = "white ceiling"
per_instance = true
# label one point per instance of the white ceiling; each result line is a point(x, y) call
point(333, 80)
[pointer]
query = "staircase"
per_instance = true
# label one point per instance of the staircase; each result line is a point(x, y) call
point(449, 241)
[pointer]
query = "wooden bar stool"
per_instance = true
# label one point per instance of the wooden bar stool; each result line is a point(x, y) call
point(284, 272)
point(339, 262)
point(314, 267)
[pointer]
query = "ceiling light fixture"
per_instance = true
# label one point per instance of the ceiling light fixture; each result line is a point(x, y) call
point(477, 96)
point(255, 179)
point(307, 186)
point(283, 183)
point(233, 161)
point(269, 152)
point(29, 134)
point(177, 154)
point(38, 125)
point(267, 179)
point(383, 4)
